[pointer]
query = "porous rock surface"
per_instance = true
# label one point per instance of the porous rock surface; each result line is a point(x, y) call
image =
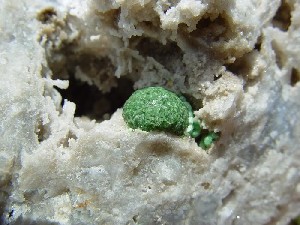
point(238, 63)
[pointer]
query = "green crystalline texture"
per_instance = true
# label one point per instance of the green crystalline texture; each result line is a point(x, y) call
point(207, 140)
point(156, 109)
point(196, 129)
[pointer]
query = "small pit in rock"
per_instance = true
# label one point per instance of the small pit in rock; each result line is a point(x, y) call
point(282, 18)
point(211, 30)
point(46, 15)
point(93, 103)
point(295, 77)
point(258, 43)
point(164, 54)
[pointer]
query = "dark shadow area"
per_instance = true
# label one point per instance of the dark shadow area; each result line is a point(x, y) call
point(46, 15)
point(258, 43)
point(241, 66)
point(164, 54)
point(93, 103)
point(102, 93)
point(212, 30)
point(295, 77)
point(282, 18)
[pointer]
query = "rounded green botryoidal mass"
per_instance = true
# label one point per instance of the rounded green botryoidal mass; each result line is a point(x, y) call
point(207, 140)
point(156, 109)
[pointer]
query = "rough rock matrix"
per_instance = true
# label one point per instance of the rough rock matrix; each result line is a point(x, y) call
point(68, 157)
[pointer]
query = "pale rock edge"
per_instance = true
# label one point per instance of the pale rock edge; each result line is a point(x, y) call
point(57, 169)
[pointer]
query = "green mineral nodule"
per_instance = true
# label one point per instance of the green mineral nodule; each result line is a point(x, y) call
point(156, 109)
point(207, 140)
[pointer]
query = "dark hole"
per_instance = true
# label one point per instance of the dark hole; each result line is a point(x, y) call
point(148, 23)
point(11, 213)
point(135, 218)
point(93, 103)
point(282, 18)
point(295, 77)
point(217, 76)
point(164, 54)
point(238, 67)
point(41, 131)
point(205, 185)
point(244, 65)
point(211, 29)
point(205, 22)
point(257, 45)
point(46, 15)
point(111, 17)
